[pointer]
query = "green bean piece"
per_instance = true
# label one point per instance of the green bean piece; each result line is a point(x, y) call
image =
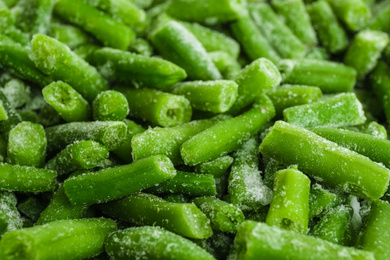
point(176, 198)
point(326, 161)
point(365, 50)
point(178, 45)
point(257, 240)
point(341, 110)
point(16, 92)
point(355, 14)
point(33, 16)
point(187, 183)
point(152, 243)
point(330, 77)
point(253, 42)
point(26, 179)
point(60, 208)
point(26, 115)
point(110, 105)
point(141, 46)
point(214, 12)
point(213, 40)
point(125, 150)
point(245, 186)
point(129, 68)
point(380, 81)
point(321, 200)
point(10, 216)
point(287, 96)
point(17, 35)
point(381, 15)
point(157, 107)
point(330, 32)
point(217, 167)
point(289, 207)
point(56, 59)
point(375, 129)
point(216, 96)
point(226, 64)
point(97, 187)
point(68, 34)
point(48, 116)
point(85, 51)
point(111, 134)
point(271, 168)
point(228, 135)
point(167, 141)
point(67, 239)
point(27, 145)
point(223, 216)
point(184, 219)
point(69, 104)
point(333, 225)
point(297, 19)
point(31, 208)
point(376, 231)
point(256, 79)
point(77, 156)
point(317, 53)
point(107, 30)
point(277, 33)
point(10, 117)
point(15, 59)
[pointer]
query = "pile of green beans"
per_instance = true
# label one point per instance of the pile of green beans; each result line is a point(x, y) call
point(194, 129)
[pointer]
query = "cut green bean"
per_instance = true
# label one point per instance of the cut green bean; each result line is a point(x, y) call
point(152, 243)
point(144, 209)
point(157, 107)
point(69, 104)
point(330, 77)
point(129, 68)
point(321, 200)
point(226, 64)
point(217, 167)
point(326, 161)
point(178, 45)
point(111, 134)
point(108, 31)
point(341, 110)
point(110, 105)
point(17, 92)
point(56, 59)
point(10, 217)
point(365, 50)
point(381, 15)
point(68, 239)
point(27, 145)
point(141, 46)
point(113, 183)
point(33, 16)
point(69, 35)
point(258, 240)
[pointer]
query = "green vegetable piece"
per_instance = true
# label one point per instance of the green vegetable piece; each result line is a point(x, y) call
point(56, 59)
point(223, 216)
point(253, 42)
point(376, 231)
point(33, 16)
point(69, 104)
point(68, 34)
point(255, 240)
point(167, 141)
point(271, 168)
point(31, 208)
point(107, 30)
point(10, 117)
point(78, 156)
point(111, 134)
point(68, 239)
point(213, 96)
point(10, 217)
point(341, 110)
point(365, 50)
point(184, 219)
point(26, 179)
point(187, 183)
point(129, 68)
point(380, 81)
point(152, 243)
point(381, 14)
point(289, 207)
point(226, 64)
point(325, 161)
point(317, 53)
point(256, 79)
point(27, 145)
point(228, 135)
point(245, 186)
point(297, 19)
point(217, 167)
point(96, 187)
point(110, 105)
point(157, 107)
point(333, 225)
point(16, 92)
point(329, 30)
point(293, 95)
point(178, 45)
point(141, 46)
point(321, 200)
point(330, 77)
point(277, 33)
point(216, 11)
point(355, 14)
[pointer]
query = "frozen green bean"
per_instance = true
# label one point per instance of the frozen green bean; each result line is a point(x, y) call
point(110, 105)
point(217, 167)
point(10, 216)
point(33, 16)
point(69, 34)
point(321, 200)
